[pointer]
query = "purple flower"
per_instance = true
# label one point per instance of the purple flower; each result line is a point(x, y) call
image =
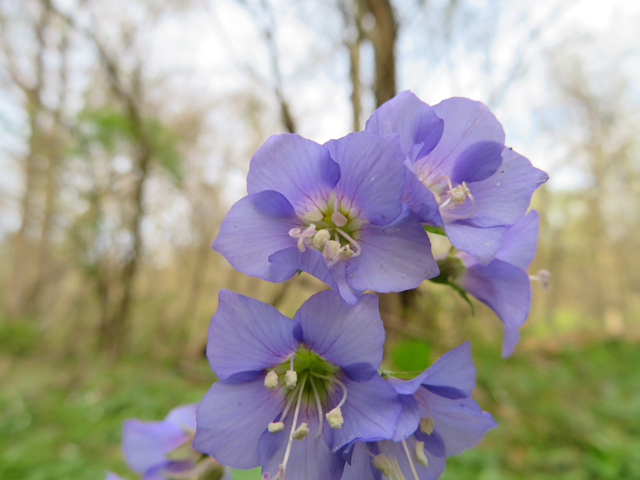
point(504, 284)
point(334, 211)
point(162, 449)
point(460, 176)
point(439, 419)
point(293, 391)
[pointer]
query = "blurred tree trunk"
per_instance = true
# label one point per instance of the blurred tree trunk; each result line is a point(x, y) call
point(24, 241)
point(383, 38)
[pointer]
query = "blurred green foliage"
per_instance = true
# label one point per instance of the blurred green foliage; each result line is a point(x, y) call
point(571, 414)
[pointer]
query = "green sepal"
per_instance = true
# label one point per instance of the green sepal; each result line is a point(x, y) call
point(452, 268)
point(436, 230)
point(299, 272)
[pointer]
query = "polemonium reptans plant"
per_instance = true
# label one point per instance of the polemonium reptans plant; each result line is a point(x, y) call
point(439, 419)
point(305, 397)
point(334, 211)
point(460, 176)
point(294, 391)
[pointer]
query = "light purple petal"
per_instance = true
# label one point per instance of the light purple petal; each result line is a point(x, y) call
point(505, 288)
point(370, 412)
point(454, 370)
point(510, 339)
point(232, 416)
point(256, 227)
point(183, 416)
point(361, 467)
point(310, 261)
point(465, 123)
point(477, 162)
point(339, 274)
point(460, 423)
point(504, 197)
point(348, 336)
point(299, 169)
point(421, 201)
point(481, 243)
point(372, 175)
point(248, 335)
point(409, 418)
point(417, 124)
point(145, 444)
point(394, 258)
point(519, 246)
point(309, 458)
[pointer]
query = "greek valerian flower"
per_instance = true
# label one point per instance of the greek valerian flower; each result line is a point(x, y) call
point(334, 211)
point(460, 175)
point(439, 419)
point(294, 391)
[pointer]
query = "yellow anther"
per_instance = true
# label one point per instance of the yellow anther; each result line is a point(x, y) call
point(275, 427)
point(418, 454)
point(382, 463)
point(426, 425)
point(300, 432)
point(271, 380)
point(335, 419)
point(291, 379)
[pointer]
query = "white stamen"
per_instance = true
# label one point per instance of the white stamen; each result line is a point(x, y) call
point(382, 463)
point(426, 425)
point(287, 407)
point(418, 454)
point(339, 219)
point(275, 427)
point(271, 380)
point(300, 432)
point(335, 419)
point(542, 277)
point(283, 465)
point(310, 231)
point(321, 238)
point(318, 405)
point(313, 216)
point(291, 379)
point(355, 244)
point(413, 467)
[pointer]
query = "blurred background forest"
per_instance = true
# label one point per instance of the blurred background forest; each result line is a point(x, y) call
point(126, 130)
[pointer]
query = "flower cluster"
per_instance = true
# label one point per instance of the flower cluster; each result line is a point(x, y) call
point(305, 397)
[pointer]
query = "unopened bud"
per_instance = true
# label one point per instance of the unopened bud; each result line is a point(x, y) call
point(418, 454)
point(426, 425)
point(382, 463)
point(291, 379)
point(334, 418)
point(300, 432)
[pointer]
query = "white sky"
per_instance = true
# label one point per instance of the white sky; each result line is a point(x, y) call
point(205, 51)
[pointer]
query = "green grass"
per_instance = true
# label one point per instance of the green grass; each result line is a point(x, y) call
point(573, 415)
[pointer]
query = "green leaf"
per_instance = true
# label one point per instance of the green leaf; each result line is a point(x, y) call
point(436, 230)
